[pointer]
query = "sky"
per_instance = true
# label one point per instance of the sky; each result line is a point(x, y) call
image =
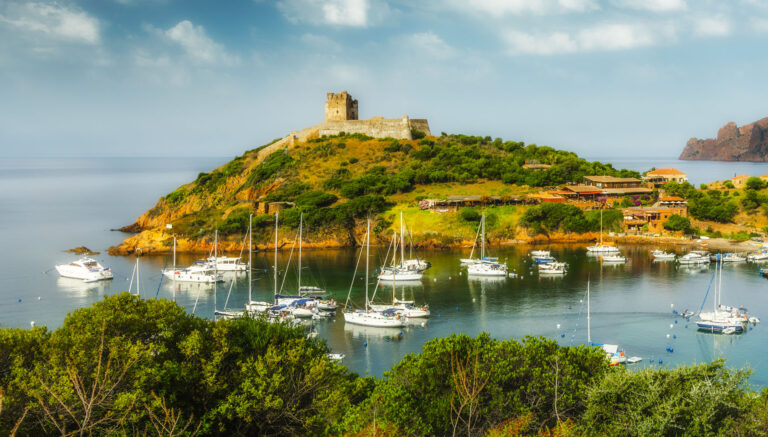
point(603, 78)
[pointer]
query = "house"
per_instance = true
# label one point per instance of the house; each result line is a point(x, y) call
point(659, 177)
point(650, 218)
point(740, 181)
point(613, 186)
point(672, 201)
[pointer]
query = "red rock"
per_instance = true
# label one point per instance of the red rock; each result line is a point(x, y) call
point(746, 143)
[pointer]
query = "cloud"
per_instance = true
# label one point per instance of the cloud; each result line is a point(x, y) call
point(498, 8)
point(604, 37)
point(52, 21)
point(321, 42)
point(712, 26)
point(350, 13)
point(653, 5)
point(431, 45)
point(198, 46)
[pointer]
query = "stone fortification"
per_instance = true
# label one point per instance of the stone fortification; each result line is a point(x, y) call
point(340, 107)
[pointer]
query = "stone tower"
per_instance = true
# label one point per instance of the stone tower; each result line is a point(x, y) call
point(340, 107)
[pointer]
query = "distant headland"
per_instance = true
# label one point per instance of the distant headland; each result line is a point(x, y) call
point(733, 143)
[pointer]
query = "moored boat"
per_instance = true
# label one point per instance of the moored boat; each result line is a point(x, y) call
point(86, 269)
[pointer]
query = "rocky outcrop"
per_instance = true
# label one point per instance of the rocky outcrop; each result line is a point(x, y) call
point(733, 143)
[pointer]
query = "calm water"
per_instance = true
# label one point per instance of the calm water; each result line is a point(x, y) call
point(49, 206)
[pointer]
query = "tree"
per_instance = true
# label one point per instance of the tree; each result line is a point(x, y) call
point(755, 183)
point(677, 222)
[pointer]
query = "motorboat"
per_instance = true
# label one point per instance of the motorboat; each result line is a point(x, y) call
point(303, 308)
point(87, 269)
point(540, 253)
point(203, 272)
point(227, 264)
point(660, 255)
point(613, 259)
point(758, 257)
point(693, 258)
point(554, 268)
point(732, 258)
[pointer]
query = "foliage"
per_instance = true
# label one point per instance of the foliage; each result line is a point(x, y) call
point(728, 184)
point(126, 366)
point(708, 205)
point(315, 199)
point(469, 215)
point(417, 134)
point(270, 167)
point(177, 196)
point(677, 222)
point(755, 183)
point(533, 376)
point(553, 217)
point(697, 400)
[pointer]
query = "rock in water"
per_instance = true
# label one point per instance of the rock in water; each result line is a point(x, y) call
point(733, 143)
point(82, 250)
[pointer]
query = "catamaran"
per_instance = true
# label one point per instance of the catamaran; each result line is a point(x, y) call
point(367, 316)
point(87, 269)
point(600, 247)
point(486, 267)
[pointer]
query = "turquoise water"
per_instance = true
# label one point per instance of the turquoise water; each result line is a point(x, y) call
point(49, 206)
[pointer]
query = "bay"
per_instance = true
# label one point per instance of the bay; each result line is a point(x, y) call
point(54, 204)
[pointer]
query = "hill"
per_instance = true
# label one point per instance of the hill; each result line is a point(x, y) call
point(733, 143)
point(338, 181)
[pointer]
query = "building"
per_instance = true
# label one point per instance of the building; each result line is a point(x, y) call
point(340, 107)
point(608, 186)
point(650, 218)
point(611, 182)
point(740, 181)
point(661, 176)
point(673, 201)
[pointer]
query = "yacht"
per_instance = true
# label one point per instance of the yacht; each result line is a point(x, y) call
point(87, 269)
point(660, 255)
point(553, 268)
point(406, 270)
point(732, 258)
point(758, 257)
point(600, 248)
point(486, 267)
point(198, 272)
point(722, 319)
point(614, 259)
point(693, 258)
point(228, 264)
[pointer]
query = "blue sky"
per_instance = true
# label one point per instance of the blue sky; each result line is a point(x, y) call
point(196, 78)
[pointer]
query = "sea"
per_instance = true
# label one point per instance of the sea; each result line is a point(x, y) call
point(53, 204)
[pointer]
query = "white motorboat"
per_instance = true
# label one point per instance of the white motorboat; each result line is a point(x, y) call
point(87, 269)
point(367, 316)
point(540, 254)
point(732, 258)
point(555, 268)
point(660, 255)
point(758, 257)
point(227, 264)
point(486, 267)
point(199, 271)
point(693, 258)
point(336, 357)
point(613, 259)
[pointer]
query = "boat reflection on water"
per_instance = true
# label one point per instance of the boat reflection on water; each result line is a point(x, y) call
point(487, 280)
point(80, 288)
point(368, 333)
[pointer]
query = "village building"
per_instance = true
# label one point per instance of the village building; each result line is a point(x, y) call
point(659, 177)
point(594, 187)
point(740, 181)
point(650, 219)
point(672, 201)
point(453, 203)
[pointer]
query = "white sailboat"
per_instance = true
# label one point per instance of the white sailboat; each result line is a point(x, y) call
point(612, 351)
point(471, 260)
point(723, 319)
point(86, 269)
point(600, 247)
point(486, 267)
point(198, 272)
point(253, 306)
point(401, 306)
point(367, 316)
point(660, 255)
point(317, 294)
point(400, 272)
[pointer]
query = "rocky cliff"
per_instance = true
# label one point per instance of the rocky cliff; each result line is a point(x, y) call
point(733, 143)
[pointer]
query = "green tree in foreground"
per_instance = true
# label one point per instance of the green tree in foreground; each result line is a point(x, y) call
point(677, 222)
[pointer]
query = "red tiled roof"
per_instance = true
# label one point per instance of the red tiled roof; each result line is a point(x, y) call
point(665, 171)
point(672, 199)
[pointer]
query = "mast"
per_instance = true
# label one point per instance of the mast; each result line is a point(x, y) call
point(589, 320)
point(250, 255)
point(601, 226)
point(174, 252)
point(402, 241)
point(138, 281)
point(301, 223)
point(482, 247)
point(215, 246)
point(275, 266)
point(367, 255)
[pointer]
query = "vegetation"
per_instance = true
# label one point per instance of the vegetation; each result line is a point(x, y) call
point(560, 217)
point(679, 223)
point(127, 366)
point(705, 205)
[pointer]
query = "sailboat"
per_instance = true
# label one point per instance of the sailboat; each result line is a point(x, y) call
point(198, 272)
point(470, 260)
point(253, 306)
point(599, 247)
point(416, 264)
point(486, 266)
point(399, 272)
point(723, 318)
point(317, 294)
point(612, 351)
point(367, 316)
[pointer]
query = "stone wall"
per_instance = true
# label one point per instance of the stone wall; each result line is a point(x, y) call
point(376, 127)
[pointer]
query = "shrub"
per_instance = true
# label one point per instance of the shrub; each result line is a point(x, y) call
point(315, 199)
point(755, 183)
point(679, 223)
point(469, 215)
point(417, 134)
